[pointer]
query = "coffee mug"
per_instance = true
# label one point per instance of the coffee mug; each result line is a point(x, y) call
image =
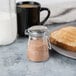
point(28, 14)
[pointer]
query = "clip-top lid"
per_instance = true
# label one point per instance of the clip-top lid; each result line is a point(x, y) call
point(37, 30)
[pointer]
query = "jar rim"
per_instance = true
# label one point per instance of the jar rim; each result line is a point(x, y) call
point(38, 28)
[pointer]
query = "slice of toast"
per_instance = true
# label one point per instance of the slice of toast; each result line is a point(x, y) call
point(64, 38)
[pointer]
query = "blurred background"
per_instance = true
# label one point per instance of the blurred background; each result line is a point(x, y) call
point(61, 10)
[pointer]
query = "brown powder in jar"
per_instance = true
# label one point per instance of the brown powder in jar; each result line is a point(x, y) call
point(38, 50)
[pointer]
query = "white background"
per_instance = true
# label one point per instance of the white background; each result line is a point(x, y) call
point(56, 7)
point(48, 1)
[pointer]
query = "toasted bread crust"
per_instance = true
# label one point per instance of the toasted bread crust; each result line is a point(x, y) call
point(61, 44)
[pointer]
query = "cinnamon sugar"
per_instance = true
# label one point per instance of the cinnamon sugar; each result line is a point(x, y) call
point(38, 50)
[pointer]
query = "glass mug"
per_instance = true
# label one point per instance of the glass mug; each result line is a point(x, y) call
point(28, 14)
point(8, 22)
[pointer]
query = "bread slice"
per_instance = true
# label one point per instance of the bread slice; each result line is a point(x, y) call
point(65, 38)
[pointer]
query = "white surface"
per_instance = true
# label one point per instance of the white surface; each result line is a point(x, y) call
point(8, 28)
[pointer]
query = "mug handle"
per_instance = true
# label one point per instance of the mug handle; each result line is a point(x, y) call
point(45, 9)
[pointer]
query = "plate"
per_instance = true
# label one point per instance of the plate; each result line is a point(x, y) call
point(64, 52)
point(61, 50)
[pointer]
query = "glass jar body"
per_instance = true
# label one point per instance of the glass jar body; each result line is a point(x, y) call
point(38, 48)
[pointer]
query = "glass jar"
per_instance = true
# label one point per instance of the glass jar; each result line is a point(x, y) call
point(38, 44)
point(8, 23)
